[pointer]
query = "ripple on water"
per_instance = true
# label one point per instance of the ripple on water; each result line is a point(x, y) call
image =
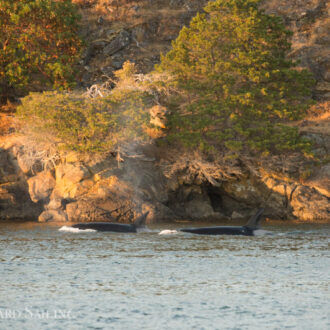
point(148, 281)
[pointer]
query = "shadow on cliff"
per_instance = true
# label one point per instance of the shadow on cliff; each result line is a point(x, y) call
point(15, 201)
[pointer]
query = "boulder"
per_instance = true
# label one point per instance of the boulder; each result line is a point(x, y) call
point(15, 202)
point(157, 212)
point(198, 206)
point(320, 180)
point(9, 172)
point(27, 163)
point(237, 216)
point(308, 204)
point(119, 42)
point(247, 191)
point(71, 180)
point(56, 203)
point(53, 215)
point(139, 33)
point(89, 210)
point(72, 172)
point(41, 186)
point(199, 209)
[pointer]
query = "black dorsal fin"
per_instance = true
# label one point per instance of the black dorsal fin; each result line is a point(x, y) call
point(140, 221)
point(254, 221)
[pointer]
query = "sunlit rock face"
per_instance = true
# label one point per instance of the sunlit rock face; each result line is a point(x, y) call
point(82, 187)
point(112, 188)
point(108, 189)
point(41, 186)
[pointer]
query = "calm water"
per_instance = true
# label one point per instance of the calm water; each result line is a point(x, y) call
point(58, 280)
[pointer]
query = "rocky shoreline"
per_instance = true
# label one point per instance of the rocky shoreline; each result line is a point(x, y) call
point(52, 186)
point(75, 188)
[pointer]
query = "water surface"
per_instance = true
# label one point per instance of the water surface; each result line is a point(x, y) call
point(58, 280)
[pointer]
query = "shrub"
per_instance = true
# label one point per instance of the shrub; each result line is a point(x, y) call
point(237, 86)
point(90, 122)
point(85, 124)
point(38, 44)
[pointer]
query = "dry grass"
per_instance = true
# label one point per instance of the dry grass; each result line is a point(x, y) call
point(39, 155)
point(6, 124)
point(154, 133)
point(6, 118)
point(319, 112)
point(9, 107)
point(128, 11)
point(317, 119)
point(119, 14)
point(84, 3)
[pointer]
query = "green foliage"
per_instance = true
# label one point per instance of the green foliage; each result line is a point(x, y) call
point(38, 43)
point(237, 86)
point(86, 124)
point(126, 74)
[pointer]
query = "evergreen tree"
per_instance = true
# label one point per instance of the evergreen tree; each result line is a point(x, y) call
point(38, 44)
point(237, 86)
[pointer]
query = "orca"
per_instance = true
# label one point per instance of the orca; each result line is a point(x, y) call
point(138, 224)
point(250, 229)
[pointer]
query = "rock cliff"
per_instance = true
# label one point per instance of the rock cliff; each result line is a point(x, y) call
point(65, 186)
point(120, 187)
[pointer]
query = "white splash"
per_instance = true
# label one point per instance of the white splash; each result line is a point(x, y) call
point(167, 232)
point(69, 229)
point(261, 232)
point(143, 230)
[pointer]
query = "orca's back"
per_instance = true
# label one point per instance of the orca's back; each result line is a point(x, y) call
point(219, 230)
point(107, 226)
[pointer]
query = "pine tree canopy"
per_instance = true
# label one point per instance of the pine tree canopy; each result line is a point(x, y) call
point(238, 88)
point(39, 45)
